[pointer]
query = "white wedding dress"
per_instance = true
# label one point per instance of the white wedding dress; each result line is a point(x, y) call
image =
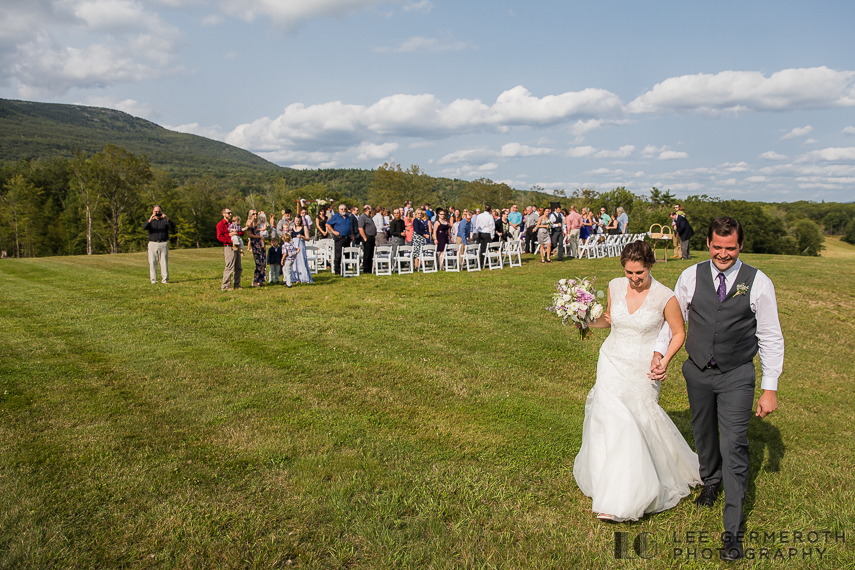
point(633, 459)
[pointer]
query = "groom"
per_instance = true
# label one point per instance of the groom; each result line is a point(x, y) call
point(732, 314)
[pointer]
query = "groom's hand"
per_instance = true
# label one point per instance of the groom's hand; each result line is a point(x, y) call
point(657, 367)
point(767, 403)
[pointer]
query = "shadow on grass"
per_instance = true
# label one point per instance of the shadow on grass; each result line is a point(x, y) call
point(765, 442)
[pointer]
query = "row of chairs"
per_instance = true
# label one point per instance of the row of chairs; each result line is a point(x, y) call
point(455, 258)
point(600, 245)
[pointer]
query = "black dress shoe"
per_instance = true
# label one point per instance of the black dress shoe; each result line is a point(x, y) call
point(731, 551)
point(708, 496)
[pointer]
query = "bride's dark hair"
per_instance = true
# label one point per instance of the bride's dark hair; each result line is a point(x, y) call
point(638, 251)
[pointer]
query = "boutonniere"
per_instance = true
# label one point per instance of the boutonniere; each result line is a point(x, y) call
point(741, 289)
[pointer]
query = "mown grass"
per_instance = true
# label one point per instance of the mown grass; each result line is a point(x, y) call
point(424, 421)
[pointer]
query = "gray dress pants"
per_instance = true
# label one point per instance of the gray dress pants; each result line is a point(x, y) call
point(721, 404)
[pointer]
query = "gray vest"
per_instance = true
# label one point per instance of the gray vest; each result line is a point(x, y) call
point(725, 331)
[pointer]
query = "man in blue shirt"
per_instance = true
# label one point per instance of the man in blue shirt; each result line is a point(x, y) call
point(339, 226)
point(464, 228)
point(622, 220)
point(515, 219)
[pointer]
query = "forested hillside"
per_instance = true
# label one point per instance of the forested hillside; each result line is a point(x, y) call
point(47, 130)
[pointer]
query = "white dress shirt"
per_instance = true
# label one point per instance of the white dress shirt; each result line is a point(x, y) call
point(485, 224)
point(761, 296)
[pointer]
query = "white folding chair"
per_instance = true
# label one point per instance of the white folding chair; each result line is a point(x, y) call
point(588, 248)
point(350, 262)
point(326, 250)
point(404, 259)
point(472, 257)
point(383, 260)
point(428, 263)
point(451, 258)
point(493, 255)
point(312, 258)
point(513, 249)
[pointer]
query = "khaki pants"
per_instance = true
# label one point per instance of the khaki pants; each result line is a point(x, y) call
point(158, 252)
point(678, 251)
point(515, 232)
point(233, 266)
point(573, 243)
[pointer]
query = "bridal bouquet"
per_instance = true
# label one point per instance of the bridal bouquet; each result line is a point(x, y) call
point(576, 300)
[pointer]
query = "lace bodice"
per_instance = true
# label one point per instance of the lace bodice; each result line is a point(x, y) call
point(630, 344)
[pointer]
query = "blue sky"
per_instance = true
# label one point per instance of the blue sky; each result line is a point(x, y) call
point(749, 100)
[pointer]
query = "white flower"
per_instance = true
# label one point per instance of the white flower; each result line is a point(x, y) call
point(600, 295)
point(596, 311)
point(562, 282)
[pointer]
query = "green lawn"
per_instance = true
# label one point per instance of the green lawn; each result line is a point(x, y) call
point(420, 421)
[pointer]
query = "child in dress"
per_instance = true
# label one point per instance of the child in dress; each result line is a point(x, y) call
point(289, 257)
point(237, 241)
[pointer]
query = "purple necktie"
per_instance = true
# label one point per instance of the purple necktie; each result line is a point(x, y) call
point(722, 293)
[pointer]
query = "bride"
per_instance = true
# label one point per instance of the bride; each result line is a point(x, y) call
point(633, 460)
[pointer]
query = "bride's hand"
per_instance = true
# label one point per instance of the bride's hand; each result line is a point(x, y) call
point(658, 367)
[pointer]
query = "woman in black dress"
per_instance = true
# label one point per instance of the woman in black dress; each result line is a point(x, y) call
point(441, 231)
point(321, 224)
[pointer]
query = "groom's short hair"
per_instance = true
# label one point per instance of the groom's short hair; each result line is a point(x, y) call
point(725, 226)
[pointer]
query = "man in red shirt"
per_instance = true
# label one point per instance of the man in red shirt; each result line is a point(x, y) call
point(573, 223)
point(232, 256)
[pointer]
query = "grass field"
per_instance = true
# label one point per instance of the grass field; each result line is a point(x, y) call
point(424, 421)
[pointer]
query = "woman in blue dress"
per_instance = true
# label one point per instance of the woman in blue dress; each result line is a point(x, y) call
point(585, 230)
point(300, 271)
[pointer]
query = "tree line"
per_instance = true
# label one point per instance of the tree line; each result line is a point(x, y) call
point(92, 204)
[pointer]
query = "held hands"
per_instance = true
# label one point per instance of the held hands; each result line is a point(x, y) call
point(658, 367)
point(767, 403)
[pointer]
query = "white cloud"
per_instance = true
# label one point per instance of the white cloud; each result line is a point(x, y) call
point(849, 131)
point(214, 132)
point(519, 150)
point(772, 155)
point(811, 141)
point(212, 20)
point(581, 151)
point(650, 150)
point(230, 55)
point(488, 167)
point(117, 15)
point(735, 167)
point(623, 152)
point(756, 179)
point(129, 106)
point(420, 43)
point(829, 155)
point(420, 6)
point(672, 155)
point(288, 14)
point(336, 125)
point(368, 151)
point(584, 127)
point(732, 91)
point(797, 132)
point(47, 48)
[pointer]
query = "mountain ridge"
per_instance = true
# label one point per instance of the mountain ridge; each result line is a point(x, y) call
point(34, 130)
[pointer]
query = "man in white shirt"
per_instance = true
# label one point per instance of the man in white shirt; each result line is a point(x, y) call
point(485, 228)
point(381, 225)
point(732, 314)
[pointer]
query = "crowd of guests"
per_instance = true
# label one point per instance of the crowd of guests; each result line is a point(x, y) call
point(278, 246)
